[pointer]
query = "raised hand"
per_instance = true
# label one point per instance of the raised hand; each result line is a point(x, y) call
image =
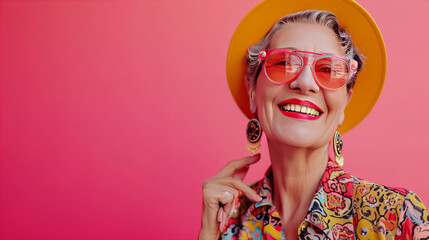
point(220, 195)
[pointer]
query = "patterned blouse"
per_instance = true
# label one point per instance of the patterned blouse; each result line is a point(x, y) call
point(344, 207)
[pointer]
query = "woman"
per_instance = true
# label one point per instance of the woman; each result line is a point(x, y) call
point(299, 81)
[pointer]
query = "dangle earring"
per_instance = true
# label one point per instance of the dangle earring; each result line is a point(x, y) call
point(254, 133)
point(338, 146)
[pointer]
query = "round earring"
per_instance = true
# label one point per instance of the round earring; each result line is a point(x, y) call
point(254, 133)
point(338, 146)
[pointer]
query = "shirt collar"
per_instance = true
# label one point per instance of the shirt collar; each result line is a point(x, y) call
point(331, 209)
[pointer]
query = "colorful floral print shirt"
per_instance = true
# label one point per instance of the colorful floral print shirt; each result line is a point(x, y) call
point(344, 207)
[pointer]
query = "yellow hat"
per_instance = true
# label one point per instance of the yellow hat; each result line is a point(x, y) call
point(352, 17)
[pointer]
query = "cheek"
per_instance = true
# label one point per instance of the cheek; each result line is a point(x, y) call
point(260, 94)
point(336, 98)
point(336, 103)
point(265, 97)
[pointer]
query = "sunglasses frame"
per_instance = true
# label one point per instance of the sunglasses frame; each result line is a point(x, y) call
point(351, 64)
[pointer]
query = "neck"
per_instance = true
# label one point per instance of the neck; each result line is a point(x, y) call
point(297, 173)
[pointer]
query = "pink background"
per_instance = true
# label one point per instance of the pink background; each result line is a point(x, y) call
point(113, 112)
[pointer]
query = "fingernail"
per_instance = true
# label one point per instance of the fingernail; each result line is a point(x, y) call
point(256, 154)
point(227, 194)
point(224, 228)
point(260, 198)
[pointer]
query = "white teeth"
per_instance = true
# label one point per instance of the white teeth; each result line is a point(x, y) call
point(302, 109)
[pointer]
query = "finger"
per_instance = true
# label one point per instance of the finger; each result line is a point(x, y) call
point(220, 215)
point(238, 165)
point(225, 211)
point(232, 167)
point(226, 215)
point(213, 209)
point(227, 196)
point(239, 185)
point(241, 173)
point(223, 223)
point(230, 208)
point(228, 211)
point(223, 220)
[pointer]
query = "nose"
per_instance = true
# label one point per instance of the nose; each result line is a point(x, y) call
point(305, 81)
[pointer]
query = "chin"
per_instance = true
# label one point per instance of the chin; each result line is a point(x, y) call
point(299, 138)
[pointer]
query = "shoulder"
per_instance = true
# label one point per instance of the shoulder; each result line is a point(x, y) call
point(377, 195)
point(393, 212)
point(366, 192)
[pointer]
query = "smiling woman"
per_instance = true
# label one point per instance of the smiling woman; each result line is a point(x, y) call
point(113, 112)
point(302, 91)
point(299, 88)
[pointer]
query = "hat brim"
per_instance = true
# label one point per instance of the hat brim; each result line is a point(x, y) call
point(352, 17)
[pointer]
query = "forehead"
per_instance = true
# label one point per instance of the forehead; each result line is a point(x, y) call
point(307, 37)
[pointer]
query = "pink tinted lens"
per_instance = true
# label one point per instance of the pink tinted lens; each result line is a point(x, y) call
point(331, 72)
point(282, 67)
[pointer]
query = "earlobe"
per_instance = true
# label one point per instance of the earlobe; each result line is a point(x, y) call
point(252, 99)
point(349, 95)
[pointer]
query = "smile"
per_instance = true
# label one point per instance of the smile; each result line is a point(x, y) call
point(301, 109)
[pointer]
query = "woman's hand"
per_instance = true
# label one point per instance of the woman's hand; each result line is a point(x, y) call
point(220, 196)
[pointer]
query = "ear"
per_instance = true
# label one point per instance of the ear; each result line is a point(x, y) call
point(252, 98)
point(349, 96)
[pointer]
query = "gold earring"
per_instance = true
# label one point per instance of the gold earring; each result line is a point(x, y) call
point(254, 133)
point(338, 146)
